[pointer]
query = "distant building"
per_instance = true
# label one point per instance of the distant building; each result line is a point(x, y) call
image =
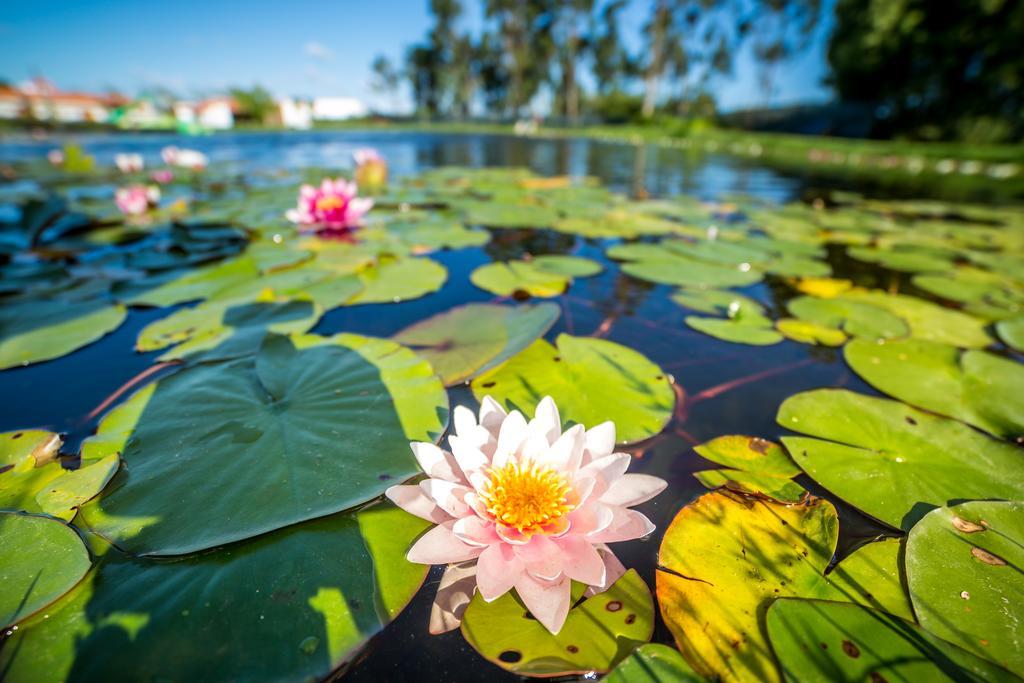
point(216, 113)
point(295, 113)
point(39, 99)
point(338, 108)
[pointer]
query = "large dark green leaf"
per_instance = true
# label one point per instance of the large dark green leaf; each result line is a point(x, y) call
point(34, 331)
point(221, 452)
point(291, 605)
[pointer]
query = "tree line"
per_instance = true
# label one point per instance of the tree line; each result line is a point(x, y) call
point(925, 69)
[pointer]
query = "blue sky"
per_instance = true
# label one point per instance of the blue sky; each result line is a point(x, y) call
point(292, 48)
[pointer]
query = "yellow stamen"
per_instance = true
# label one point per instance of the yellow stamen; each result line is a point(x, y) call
point(329, 203)
point(527, 496)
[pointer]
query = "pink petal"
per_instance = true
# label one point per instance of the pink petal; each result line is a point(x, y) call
point(613, 571)
point(600, 441)
point(476, 531)
point(567, 451)
point(581, 561)
point(626, 525)
point(415, 502)
point(510, 534)
point(591, 518)
point(542, 556)
point(548, 601)
point(546, 421)
point(434, 461)
point(454, 594)
point(607, 470)
point(497, 570)
point(440, 545)
point(633, 489)
point(491, 415)
point(468, 456)
point(449, 496)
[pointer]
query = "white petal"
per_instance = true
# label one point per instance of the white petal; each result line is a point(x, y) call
point(440, 545)
point(491, 415)
point(633, 489)
point(454, 594)
point(600, 441)
point(548, 601)
point(464, 419)
point(546, 421)
point(413, 500)
point(449, 496)
point(510, 436)
point(566, 453)
point(435, 462)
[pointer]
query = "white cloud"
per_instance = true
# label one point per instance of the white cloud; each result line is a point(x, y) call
point(319, 51)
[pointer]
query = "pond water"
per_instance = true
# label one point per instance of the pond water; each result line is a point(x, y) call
point(729, 388)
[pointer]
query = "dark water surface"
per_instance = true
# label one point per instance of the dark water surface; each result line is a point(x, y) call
point(730, 388)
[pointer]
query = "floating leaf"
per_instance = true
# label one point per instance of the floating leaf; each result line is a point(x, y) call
point(34, 331)
point(927, 320)
point(976, 387)
point(809, 332)
point(598, 633)
point(852, 317)
point(291, 605)
point(471, 339)
point(914, 260)
point(202, 283)
point(399, 280)
point(664, 264)
point(823, 287)
point(756, 331)
point(542, 276)
point(1012, 332)
point(725, 558)
point(716, 301)
point(307, 427)
point(963, 572)
point(816, 640)
point(498, 215)
point(756, 466)
point(653, 663)
point(892, 461)
point(42, 560)
point(591, 380)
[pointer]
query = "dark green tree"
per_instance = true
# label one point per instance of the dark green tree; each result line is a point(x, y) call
point(254, 104)
point(935, 70)
point(612, 65)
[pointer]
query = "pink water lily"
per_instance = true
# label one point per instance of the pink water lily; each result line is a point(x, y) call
point(371, 168)
point(366, 155)
point(534, 506)
point(184, 158)
point(162, 176)
point(334, 205)
point(136, 199)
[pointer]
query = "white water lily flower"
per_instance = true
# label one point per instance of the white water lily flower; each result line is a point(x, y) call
point(531, 504)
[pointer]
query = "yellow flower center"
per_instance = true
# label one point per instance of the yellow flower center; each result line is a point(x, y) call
point(527, 496)
point(329, 203)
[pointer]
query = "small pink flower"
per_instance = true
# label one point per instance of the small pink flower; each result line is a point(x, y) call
point(371, 168)
point(366, 155)
point(333, 206)
point(55, 157)
point(162, 176)
point(532, 505)
point(136, 199)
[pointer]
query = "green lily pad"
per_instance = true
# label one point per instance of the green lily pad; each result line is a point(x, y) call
point(905, 259)
point(756, 466)
point(816, 640)
point(202, 283)
point(33, 480)
point(34, 331)
point(716, 301)
point(977, 387)
point(307, 427)
point(963, 572)
point(542, 276)
point(927, 320)
point(211, 323)
point(854, 318)
point(653, 663)
point(598, 633)
point(471, 339)
point(498, 215)
point(892, 461)
point(726, 557)
point(399, 280)
point(809, 332)
point(753, 330)
point(42, 560)
point(1012, 332)
point(291, 605)
point(591, 381)
point(662, 264)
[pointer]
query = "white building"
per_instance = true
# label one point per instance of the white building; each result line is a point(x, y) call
point(215, 114)
point(295, 113)
point(40, 99)
point(338, 108)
